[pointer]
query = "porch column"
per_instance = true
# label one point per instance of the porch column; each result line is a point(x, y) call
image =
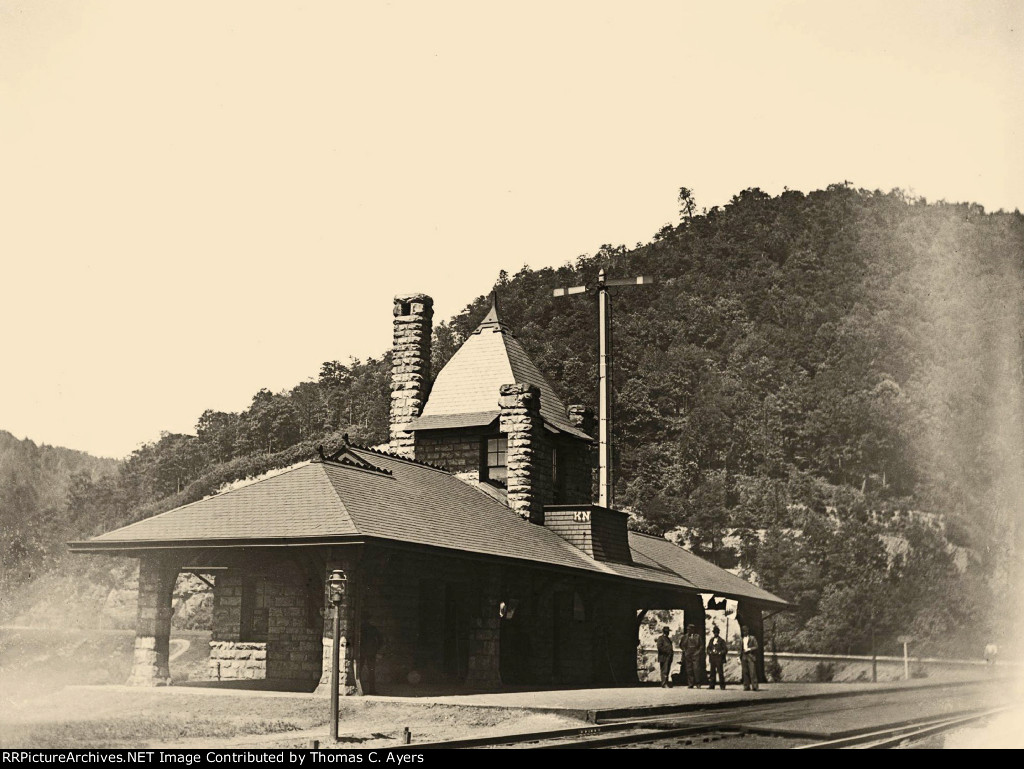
point(153, 623)
point(694, 614)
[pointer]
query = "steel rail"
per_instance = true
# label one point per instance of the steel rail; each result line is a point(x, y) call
point(896, 735)
point(667, 726)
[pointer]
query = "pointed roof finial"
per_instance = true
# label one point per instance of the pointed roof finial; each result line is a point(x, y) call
point(492, 314)
point(492, 319)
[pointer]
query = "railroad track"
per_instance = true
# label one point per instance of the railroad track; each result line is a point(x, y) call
point(895, 736)
point(886, 736)
point(696, 728)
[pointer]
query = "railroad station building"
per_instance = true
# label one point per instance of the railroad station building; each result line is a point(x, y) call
point(474, 556)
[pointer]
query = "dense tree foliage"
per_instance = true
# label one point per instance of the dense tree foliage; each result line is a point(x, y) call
point(824, 389)
point(35, 485)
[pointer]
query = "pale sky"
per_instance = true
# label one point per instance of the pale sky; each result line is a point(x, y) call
point(201, 199)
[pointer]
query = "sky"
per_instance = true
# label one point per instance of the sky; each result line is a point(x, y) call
point(198, 200)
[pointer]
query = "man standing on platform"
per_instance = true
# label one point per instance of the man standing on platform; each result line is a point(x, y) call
point(748, 658)
point(717, 651)
point(692, 644)
point(665, 654)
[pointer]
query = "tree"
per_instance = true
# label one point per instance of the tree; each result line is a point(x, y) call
point(687, 204)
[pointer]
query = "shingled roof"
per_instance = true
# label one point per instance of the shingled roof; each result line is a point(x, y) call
point(465, 392)
point(379, 496)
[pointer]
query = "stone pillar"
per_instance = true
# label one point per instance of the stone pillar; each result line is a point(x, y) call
point(581, 418)
point(346, 675)
point(750, 615)
point(410, 368)
point(485, 637)
point(521, 422)
point(695, 614)
point(153, 624)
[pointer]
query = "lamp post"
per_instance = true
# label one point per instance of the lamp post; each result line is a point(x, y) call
point(336, 586)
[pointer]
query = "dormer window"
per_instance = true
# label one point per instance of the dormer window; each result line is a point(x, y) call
point(495, 469)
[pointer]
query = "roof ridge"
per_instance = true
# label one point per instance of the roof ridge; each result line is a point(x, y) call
point(388, 454)
point(284, 471)
point(654, 536)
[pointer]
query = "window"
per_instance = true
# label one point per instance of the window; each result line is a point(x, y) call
point(254, 611)
point(494, 467)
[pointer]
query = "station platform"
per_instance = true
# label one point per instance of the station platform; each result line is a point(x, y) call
point(596, 705)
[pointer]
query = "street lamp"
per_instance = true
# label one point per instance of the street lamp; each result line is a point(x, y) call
point(336, 590)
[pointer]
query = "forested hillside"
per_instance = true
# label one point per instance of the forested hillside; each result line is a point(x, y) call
point(807, 370)
point(36, 483)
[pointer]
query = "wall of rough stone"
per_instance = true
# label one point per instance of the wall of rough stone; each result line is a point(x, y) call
point(150, 665)
point(405, 600)
point(291, 650)
point(576, 462)
point(457, 451)
point(235, 660)
point(410, 367)
point(349, 560)
point(294, 626)
point(597, 648)
point(403, 593)
point(529, 450)
point(227, 606)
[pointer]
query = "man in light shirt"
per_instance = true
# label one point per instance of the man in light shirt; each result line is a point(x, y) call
point(748, 659)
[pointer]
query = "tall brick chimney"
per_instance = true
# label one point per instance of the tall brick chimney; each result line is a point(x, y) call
point(521, 422)
point(410, 368)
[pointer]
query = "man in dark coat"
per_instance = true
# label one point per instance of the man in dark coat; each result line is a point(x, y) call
point(717, 651)
point(665, 654)
point(692, 643)
point(372, 643)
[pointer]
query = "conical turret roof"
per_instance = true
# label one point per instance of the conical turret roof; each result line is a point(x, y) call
point(465, 392)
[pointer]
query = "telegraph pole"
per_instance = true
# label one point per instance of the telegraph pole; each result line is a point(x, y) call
point(606, 493)
point(606, 480)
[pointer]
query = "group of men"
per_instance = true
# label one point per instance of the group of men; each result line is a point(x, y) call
point(717, 650)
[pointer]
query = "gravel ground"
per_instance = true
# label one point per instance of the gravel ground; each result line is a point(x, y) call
point(115, 717)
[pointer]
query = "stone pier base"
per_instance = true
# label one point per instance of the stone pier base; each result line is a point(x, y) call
point(153, 623)
point(346, 672)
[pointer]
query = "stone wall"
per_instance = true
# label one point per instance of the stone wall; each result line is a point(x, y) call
point(227, 606)
point(350, 562)
point(458, 451)
point(428, 607)
point(233, 660)
point(410, 368)
point(529, 452)
point(413, 600)
point(576, 463)
point(291, 650)
point(157, 574)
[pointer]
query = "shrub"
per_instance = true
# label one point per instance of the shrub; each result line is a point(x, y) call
point(773, 669)
point(824, 672)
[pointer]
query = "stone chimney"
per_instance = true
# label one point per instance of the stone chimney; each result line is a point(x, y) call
point(410, 368)
point(521, 422)
point(581, 417)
